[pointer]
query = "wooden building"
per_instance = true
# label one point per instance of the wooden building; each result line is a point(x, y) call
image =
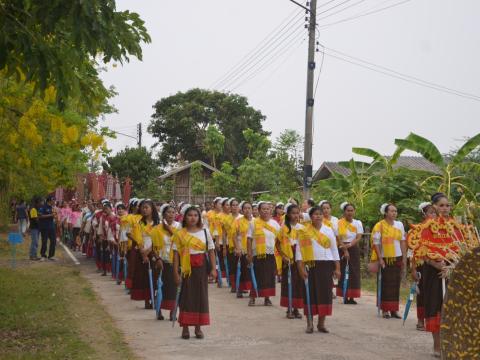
point(182, 183)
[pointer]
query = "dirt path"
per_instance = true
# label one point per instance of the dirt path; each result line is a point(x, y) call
point(240, 332)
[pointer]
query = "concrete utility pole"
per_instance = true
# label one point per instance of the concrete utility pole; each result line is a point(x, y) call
point(307, 168)
point(139, 135)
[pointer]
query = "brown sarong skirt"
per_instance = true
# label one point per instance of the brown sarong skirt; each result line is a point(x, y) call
point(433, 298)
point(320, 281)
point(297, 286)
point(265, 269)
point(391, 277)
point(169, 290)
point(353, 288)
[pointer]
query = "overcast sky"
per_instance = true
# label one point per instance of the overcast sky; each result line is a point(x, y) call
point(196, 42)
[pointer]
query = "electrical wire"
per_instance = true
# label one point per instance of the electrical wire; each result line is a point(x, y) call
point(341, 10)
point(269, 39)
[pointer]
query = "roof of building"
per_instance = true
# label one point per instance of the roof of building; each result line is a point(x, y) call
point(185, 167)
point(409, 162)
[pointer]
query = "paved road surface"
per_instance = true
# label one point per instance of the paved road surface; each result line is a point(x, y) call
point(241, 332)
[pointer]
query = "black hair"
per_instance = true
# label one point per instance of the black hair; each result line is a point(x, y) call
point(107, 204)
point(224, 201)
point(245, 203)
point(166, 208)
point(326, 202)
point(192, 208)
point(346, 206)
point(311, 202)
point(437, 197)
point(155, 216)
point(260, 205)
point(121, 206)
point(425, 209)
point(287, 216)
point(386, 209)
point(313, 209)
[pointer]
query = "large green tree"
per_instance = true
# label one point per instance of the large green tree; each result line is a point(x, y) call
point(139, 165)
point(180, 124)
point(60, 42)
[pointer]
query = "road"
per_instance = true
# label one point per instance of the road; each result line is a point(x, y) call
point(241, 332)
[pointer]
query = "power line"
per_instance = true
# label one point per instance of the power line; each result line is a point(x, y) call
point(333, 7)
point(258, 49)
point(341, 10)
point(251, 67)
point(319, 70)
point(364, 14)
point(395, 74)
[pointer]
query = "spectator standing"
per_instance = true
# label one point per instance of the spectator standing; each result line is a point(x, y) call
point(34, 229)
point(47, 229)
point(22, 217)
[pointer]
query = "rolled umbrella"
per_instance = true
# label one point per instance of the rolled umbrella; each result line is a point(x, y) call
point(150, 281)
point(239, 271)
point(114, 263)
point(177, 302)
point(125, 271)
point(290, 292)
point(379, 291)
point(345, 282)
point(307, 295)
point(227, 270)
point(117, 267)
point(159, 294)
point(219, 271)
point(413, 290)
point(254, 279)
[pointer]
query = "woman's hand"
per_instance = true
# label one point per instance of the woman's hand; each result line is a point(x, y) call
point(213, 273)
point(159, 264)
point(337, 274)
point(346, 254)
point(303, 274)
point(249, 258)
point(238, 252)
point(224, 251)
point(176, 278)
point(415, 275)
point(382, 263)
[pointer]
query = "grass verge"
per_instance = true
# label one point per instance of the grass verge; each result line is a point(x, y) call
point(48, 311)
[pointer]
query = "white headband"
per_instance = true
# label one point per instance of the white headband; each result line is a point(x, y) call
point(287, 207)
point(162, 208)
point(322, 202)
point(230, 201)
point(383, 208)
point(344, 205)
point(241, 204)
point(184, 209)
point(279, 204)
point(218, 198)
point(118, 204)
point(423, 205)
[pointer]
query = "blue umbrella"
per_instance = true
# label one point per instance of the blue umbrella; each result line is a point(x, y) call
point(379, 290)
point(254, 279)
point(177, 302)
point(239, 271)
point(290, 296)
point(219, 271)
point(150, 281)
point(307, 294)
point(117, 267)
point(413, 290)
point(345, 282)
point(125, 271)
point(159, 293)
point(227, 270)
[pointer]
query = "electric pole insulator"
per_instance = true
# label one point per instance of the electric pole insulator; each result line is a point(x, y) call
point(311, 65)
point(310, 102)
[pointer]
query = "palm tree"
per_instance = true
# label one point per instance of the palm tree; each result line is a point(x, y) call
point(450, 168)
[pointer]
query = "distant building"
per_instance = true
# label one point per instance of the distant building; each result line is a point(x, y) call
point(182, 184)
point(409, 162)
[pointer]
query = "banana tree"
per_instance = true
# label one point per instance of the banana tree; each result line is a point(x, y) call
point(387, 162)
point(450, 175)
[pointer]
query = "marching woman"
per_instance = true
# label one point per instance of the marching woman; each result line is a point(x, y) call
point(328, 219)
point(133, 218)
point(390, 250)
point(143, 233)
point(230, 231)
point(122, 241)
point(435, 241)
point(194, 254)
point(261, 248)
point(279, 213)
point(287, 242)
point(349, 233)
point(216, 231)
point(255, 213)
point(168, 228)
point(428, 212)
point(318, 262)
point(241, 226)
point(111, 230)
point(222, 244)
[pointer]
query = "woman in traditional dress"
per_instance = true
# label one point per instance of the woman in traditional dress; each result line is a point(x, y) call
point(145, 259)
point(221, 244)
point(328, 219)
point(133, 218)
point(261, 248)
point(350, 231)
point(214, 217)
point(111, 227)
point(255, 212)
point(428, 212)
point(435, 241)
point(241, 226)
point(194, 253)
point(168, 228)
point(390, 250)
point(231, 234)
point(318, 261)
point(279, 213)
point(286, 244)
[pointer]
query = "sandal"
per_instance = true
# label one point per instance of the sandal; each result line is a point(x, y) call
point(386, 315)
point(185, 334)
point(420, 327)
point(251, 302)
point(297, 314)
point(309, 329)
point(199, 334)
point(290, 315)
point(267, 302)
point(395, 315)
point(322, 329)
point(160, 317)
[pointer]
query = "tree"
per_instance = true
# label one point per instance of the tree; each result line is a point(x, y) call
point(136, 163)
point(180, 124)
point(197, 179)
point(55, 42)
point(451, 169)
point(224, 181)
point(290, 143)
point(214, 143)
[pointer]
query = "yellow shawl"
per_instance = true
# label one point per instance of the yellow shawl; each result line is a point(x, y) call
point(185, 241)
point(241, 226)
point(343, 227)
point(284, 238)
point(305, 241)
point(132, 220)
point(228, 226)
point(259, 236)
point(389, 234)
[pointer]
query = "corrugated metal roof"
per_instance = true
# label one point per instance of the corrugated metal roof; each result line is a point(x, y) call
point(184, 167)
point(408, 162)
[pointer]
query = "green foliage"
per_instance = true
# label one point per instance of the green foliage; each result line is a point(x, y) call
point(54, 42)
point(224, 181)
point(180, 124)
point(139, 165)
point(214, 143)
point(197, 180)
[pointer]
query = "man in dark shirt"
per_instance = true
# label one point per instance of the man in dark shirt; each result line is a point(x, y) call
point(34, 229)
point(22, 218)
point(47, 229)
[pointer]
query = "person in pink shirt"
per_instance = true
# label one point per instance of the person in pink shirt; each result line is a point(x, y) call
point(75, 223)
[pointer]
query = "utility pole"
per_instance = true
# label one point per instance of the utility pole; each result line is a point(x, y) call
point(139, 135)
point(307, 168)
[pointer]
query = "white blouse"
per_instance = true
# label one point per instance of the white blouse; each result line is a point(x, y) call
point(319, 252)
point(297, 227)
point(167, 239)
point(377, 239)
point(200, 235)
point(269, 236)
point(334, 221)
point(351, 236)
